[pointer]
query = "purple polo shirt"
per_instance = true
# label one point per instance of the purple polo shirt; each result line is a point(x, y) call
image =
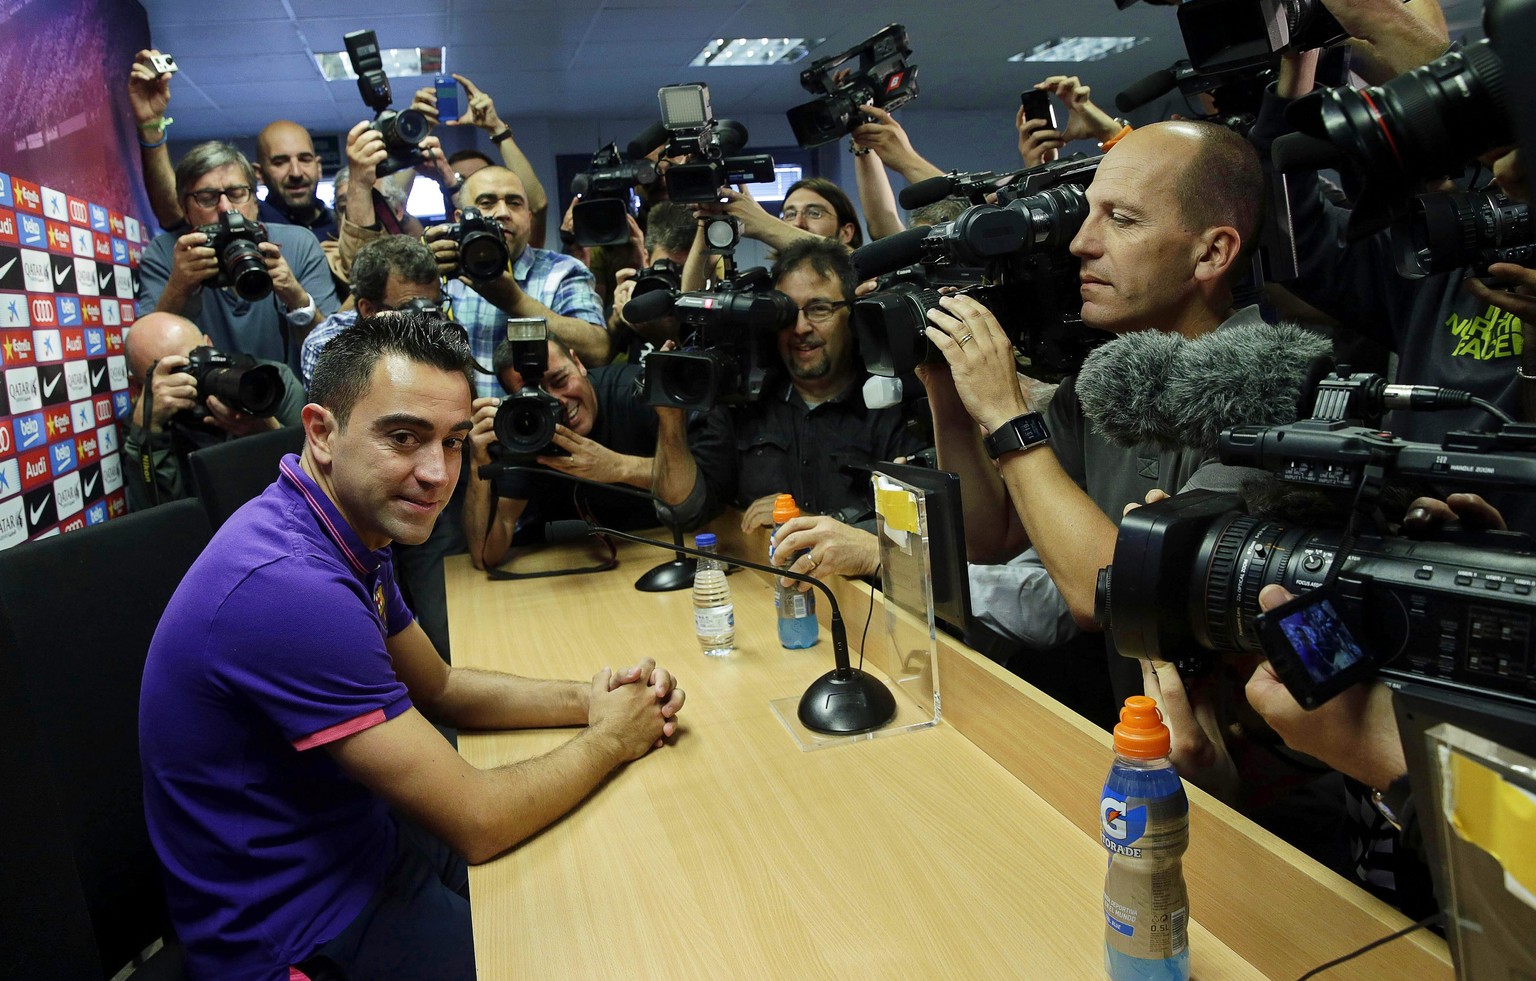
point(272, 647)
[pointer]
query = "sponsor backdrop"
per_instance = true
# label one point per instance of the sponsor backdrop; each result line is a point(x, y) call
point(71, 199)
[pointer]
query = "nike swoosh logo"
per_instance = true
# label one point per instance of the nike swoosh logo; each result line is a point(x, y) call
point(59, 275)
point(103, 280)
point(38, 512)
point(96, 377)
point(7, 267)
point(49, 386)
point(91, 485)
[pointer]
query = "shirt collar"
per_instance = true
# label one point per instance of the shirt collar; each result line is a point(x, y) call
point(359, 557)
point(523, 264)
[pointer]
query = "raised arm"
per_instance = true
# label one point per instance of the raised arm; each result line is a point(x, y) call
point(149, 93)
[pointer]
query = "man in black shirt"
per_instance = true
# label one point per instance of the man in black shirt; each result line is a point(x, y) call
point(609, 434)
point(810, 434)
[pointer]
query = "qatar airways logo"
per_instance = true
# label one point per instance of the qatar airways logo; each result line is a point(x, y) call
point(13, 523)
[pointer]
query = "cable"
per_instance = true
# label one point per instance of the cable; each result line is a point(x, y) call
point(867, 617)
point(1428, 921)
point(1493, 410)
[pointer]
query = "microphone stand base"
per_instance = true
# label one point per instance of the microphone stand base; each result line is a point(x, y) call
point(846, 701)
point(668, 577)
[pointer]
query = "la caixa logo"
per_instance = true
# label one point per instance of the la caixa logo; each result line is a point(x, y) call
point(10, 479)
point(106, 438)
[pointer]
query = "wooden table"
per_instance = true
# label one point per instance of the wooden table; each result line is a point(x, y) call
point(967, 850)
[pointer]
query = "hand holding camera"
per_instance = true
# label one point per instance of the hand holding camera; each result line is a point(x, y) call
point(173, 391)
point(193, 263)
point(149, 86)
point(472, 248)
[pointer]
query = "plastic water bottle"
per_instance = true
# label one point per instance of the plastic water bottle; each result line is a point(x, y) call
point(796, 609)
point(714, 620)
point(1144, 824)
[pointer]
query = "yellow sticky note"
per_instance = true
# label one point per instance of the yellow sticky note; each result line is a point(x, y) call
point(1497, 817)
point(897, 506)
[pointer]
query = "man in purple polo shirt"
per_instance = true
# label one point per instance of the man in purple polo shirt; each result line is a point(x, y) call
point(305, 810)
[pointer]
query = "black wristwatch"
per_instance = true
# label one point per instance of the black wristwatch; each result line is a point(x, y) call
point(1019, 433)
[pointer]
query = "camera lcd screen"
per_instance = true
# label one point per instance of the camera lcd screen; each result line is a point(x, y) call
point(1321, 641)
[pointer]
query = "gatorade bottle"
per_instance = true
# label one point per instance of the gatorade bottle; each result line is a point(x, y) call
point(1144, 824)
point(796, 609)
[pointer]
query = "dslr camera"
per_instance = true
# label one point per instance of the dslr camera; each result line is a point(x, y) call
point(663, 274)
point(526, 420)
point(608, 197)
point(402, 130)
point(712, 146)
point(239, 382)
point(1455, 612)
point(1015, 258)
point(873, 72)
point(733, 347)
point(483, 252)
point(242, 267)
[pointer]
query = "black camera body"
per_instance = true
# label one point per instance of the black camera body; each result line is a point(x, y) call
point(239, 382)
point(1456, 612)
point(242, 268)
point(873, 72)
point(1015, 255)
point(663, 274)
point(526, 420)
point(732, 351)
point(483, 251)
point(1228, 35)
point(402, 130)
point(711, 147)
point(608, 197)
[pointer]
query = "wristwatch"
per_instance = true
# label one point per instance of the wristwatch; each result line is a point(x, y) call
point(1393, 803)
point(1019, 433)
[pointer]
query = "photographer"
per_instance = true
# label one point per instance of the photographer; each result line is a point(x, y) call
point(388, 274)
point(1446, 329)
point(374, 206)
point(607, 434)
point(669, 235)
point(536, 283)
point(1039, 144)
point(179, 422)
point(876, 145)
point(1172, 208)
point(810, 432)
point(178, 269)
point(813, 208)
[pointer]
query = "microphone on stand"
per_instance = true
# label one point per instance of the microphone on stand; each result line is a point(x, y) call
point(665, 578)
point(844, 701)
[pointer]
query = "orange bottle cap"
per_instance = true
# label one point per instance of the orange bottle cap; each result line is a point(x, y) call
point(784, 508)
point(1141, 733)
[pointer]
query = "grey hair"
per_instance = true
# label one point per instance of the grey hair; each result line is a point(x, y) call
point(210, 156)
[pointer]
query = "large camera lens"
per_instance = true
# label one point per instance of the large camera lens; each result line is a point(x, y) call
point(1446, 232)
point(1425, 123)
point(255, 389)
point(483, 252)
point(684, 379)
point(403, 129)
point(600, 221)
point(663, 274)
point(525, 423)
point(891, 328)
point(243, 268)
point(1053, 216)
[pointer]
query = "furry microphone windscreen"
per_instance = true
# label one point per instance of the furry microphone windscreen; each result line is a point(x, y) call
point(1154, 387)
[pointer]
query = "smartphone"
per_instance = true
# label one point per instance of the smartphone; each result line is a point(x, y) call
point(447, 97)
point(163, 64)
point(1037, 105)
point(1312, 649)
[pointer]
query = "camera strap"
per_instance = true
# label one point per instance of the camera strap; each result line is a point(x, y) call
point(585, 513)
point(147, 451)
point(1372, 476)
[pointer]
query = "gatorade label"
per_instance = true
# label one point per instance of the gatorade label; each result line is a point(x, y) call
point(1144, 826)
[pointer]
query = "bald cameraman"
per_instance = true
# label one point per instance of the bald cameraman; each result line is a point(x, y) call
point(178, 422)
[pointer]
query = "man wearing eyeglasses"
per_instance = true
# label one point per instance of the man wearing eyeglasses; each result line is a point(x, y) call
point(536, 283)
point(810, 435)
point(177, 270)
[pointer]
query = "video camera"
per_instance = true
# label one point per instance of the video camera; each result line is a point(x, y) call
point(733, 349)
point(688, 128)
point(1019, 251)
point(483, 252)
point(1455, 612)
point(234, 239)
point(238, 382)
point(402, 130)
point(608, 197)
point(526, 420)
point(872, 72)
